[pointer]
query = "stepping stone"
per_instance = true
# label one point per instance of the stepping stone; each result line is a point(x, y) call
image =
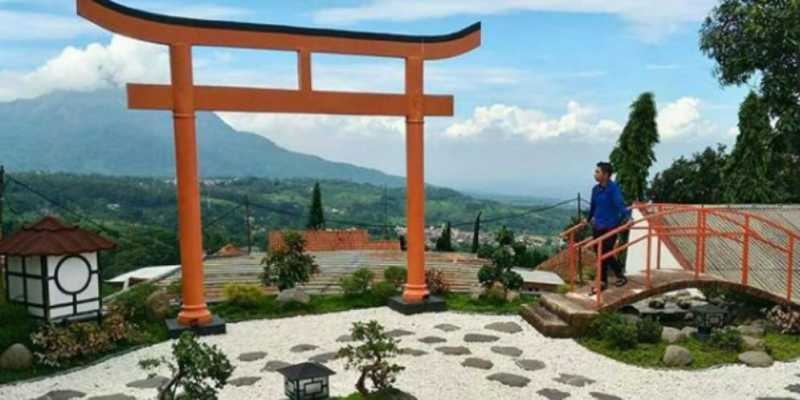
point(453, 350)
point(507, 351)
point(300, 348)
point(603, 396)
point(432, 339)
point(756, 359)
point(274, 365)
point(413, 352)
point(793, 388)
point(553, 394)
point(574, 380)
point(116, 396)
point(153, 382)
point(479, 363)
point(530, 365)
point(396, 333)
point(62, 395)
point(509, 379)
point(324, 358)
point(480, 338)
point(447, 327)
point(345, 338)
point(775, 398)
point(253, 356)
point(505, 327)
point(244, 381)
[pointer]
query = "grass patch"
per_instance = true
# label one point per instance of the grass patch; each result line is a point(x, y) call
point(462, 302)
point(783, 347)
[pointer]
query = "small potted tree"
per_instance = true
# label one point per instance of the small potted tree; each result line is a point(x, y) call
point(289, 266)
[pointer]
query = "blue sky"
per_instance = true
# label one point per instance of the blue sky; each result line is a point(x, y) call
point(537, 105)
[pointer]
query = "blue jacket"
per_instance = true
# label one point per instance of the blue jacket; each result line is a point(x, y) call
point(608, 207)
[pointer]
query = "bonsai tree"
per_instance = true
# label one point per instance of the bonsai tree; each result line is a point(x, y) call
point(371, 357)
point(290, 264)
point(198, 369)
point(500, 271)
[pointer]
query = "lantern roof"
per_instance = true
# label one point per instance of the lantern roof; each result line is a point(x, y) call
point(50, 236)
point(305, 370)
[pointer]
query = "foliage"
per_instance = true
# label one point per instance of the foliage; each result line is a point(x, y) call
point(504, 237)
point(316, 214)
point(397, 276)
point(436, 281)
point(242, 295)
point(132, 303)
point(371, 357)
point(726, 339)
point(289, 265)
point(785, 319)
point(383, 291)
point(487, 276)
point(697, 180)
point(633, 155)
point(512, 280)
point(358, 282)
point(476, 234)
point(17, 325)
point(445, 241)
point(649, 330)
point(485, 251)
point(198, 370)
point(500, 271)
point(614, 329)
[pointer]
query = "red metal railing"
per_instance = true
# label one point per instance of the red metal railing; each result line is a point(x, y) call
point(653, 223)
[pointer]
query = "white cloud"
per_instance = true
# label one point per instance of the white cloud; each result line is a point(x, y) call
point(683, 118)
point(24, 25)
point(651, 19)
point(500, 120)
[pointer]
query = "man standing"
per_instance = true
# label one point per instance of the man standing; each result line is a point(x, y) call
point(606, 213)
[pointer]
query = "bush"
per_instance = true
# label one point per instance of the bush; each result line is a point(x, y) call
point(485, 251)
point(133, 303)
point(371, 357)
point(495, 294)
point(383, 291)
point(487, 276)
point(243, 295)
point(357, 283)
point(649, 330)
point(16, 324)
point(397, 276)
point(289, 265)
point(436, 281)
point(504, 237)
point(785, 319)
point(729, 339)
point(614, 329)
point(512, 280)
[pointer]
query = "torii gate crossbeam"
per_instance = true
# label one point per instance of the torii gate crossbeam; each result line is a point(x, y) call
point(184, 98)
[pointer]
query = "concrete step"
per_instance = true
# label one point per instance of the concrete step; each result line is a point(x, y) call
point(547, 323)
point(576, 312)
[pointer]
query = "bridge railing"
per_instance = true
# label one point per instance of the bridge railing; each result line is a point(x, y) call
point(743, 228)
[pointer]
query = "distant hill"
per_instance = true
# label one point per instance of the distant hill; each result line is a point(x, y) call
point(94, 132)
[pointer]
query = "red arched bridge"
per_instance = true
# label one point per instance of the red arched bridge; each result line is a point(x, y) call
point(752, 250)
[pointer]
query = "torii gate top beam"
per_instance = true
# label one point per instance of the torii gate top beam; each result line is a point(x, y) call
point(166, 29)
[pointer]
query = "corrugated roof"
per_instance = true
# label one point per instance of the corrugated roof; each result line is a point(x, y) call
point(49, 237)
point(305, 370)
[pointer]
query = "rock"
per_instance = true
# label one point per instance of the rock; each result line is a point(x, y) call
point(656, 304)
point(345, 338)
point(156, 306)
point(324, 358)
point(447, 327)
point(396, 333)
point(677, 356)
point(432, 339)
point(751, 343)
point(475, 293)
point(509, 379)
point(115, 396)
point(300, 348)
point(574, 380)
point(274, 365)
point(672, 335)
point(413, 352)
point(480, 338)
point(684, 304)
point(504, 327)
point(512, 295)
point(62, 395)
point(751, 330)
point(553, 394)
point(453, 350)
point(793, 388)
point(479, 363)
point(16, 357)
point(756, 359)
point(295, 295)
point(530, 365)
point(507, 351)
point(252, 356)
point(244, 381)
point(153, 382)
point(689, 331)
point(603, 396)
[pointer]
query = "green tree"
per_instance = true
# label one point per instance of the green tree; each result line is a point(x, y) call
point(476, 234)
point(290, 264)
point(504, 237)
point(697, 180)
point(445, 241)
point(316, 215)
point(633, 155)
point(372, 357)
point(746, 173)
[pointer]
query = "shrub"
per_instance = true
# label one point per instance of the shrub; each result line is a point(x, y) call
point(289, 265)
point(396, 276)
point(785, 319)
point(383, 291)
point(242, 295)
point(485, 251)
point(512, 280)
point(436, 281)
point(357, 283)
point(198, 369)
point(174, 289)
point(495, 294)
point(614, 329)
point(726, 339)
point(371, 357)
point(487, 276)
point(133, 303)
point(649, 330)
point(504, 237)
point(16, 324)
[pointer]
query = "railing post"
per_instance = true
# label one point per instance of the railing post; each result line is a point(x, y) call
point(697, 252)
point(790, 270)
point(649, 254)
point(746, 251)
point(571, 260)
point(598, 274)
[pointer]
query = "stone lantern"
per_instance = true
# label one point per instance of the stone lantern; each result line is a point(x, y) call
point(52, 269)
point(707, 318)
point(306, 381)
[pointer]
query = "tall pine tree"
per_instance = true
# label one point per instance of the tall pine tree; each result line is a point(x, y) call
point(746, 174)
point(445, 241)
point(633, 155)
point(476, 233)
point(316, 216)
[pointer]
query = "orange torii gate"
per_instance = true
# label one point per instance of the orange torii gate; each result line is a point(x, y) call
point(183, 97)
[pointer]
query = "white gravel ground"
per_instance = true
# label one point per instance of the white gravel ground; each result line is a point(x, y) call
point(432, 376)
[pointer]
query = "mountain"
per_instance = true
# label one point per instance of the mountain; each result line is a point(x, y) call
point(94, 132)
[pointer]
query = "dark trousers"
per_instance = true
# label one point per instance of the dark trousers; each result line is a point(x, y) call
point(610, 262)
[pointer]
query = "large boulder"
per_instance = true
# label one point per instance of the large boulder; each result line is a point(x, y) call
point(677, 356)
point(757, 359)
point(689, 331)
point(156, 306)
point(16, 357)
point(294, 295)
point(751, 343)
point(672, 335)
point(751, 330)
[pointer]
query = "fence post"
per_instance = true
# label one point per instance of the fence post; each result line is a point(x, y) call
point(790, 270)
point(697, 251)
point(746, 251)
point(597, 281)
point(649, 254)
